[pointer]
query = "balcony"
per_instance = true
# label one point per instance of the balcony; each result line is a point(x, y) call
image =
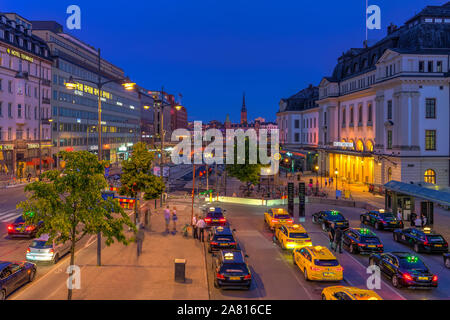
point(46, 100)
point(46, 83)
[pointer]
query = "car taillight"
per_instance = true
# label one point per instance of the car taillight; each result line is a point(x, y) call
point(435, 278)
point(289, 240)
point(52, 251)
point(248, 277)
point(222, 220)
point(379, 245)
point(446, 244)
point(361, 244)
point(214, 243)
point(220, 276)
point(425, 243)
point(315, 269)
point(233, 243)
point(407, 277)
point(28, 250)
point(10, 227)
point(29, 228)
point(339, 269)
point(207, 219)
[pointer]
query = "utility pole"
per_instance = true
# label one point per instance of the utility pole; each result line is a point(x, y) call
point(100, 156)
point(193, 191)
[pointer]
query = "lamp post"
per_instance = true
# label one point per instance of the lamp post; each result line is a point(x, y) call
point(317, 179)
point(71, 85)
point(336, 172)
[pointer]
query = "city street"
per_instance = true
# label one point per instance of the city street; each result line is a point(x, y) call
point(275, 276)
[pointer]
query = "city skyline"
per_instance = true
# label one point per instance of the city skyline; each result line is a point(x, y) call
point(215, 65)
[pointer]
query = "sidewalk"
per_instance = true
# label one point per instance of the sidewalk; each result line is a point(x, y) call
point(124, 276)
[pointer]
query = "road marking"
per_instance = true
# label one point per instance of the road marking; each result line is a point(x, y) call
point(9, 215)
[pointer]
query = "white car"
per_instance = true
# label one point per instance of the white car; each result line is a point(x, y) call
point(41, 249)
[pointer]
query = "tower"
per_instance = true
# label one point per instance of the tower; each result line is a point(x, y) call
point(228, 122)
point(243, 111)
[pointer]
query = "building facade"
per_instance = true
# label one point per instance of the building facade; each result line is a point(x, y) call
point(384, 112)
point(75, 112)
point(25, 88)
point(147, 116)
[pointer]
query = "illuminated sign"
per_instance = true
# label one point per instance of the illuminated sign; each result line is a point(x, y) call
point(343, 144)
point(6, 147)
point(91, 90)
point(33, 145)
point(122, 148)
point(19, 55)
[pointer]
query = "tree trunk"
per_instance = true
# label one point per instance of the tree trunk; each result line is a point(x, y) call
point(72, 263)
point(136, 217)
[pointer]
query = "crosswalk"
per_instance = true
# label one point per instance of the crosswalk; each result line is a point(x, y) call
point(9, 215)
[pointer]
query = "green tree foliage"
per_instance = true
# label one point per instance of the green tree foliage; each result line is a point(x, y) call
point(70, 203)
point(246, 173)
point(137, 175)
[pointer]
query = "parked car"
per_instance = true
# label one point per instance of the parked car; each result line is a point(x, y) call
point(13, 275)
point(45, 250)
point(231, 270)
point(330, 219)
point(381, 220)
point(424, 240)
point(357, 240)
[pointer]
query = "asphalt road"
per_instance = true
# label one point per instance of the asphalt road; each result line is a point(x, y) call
point(276, 277)
point(9, 198)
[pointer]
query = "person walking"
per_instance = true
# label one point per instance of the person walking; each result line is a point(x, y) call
point(201, 225)
point(140, 235)
point(338, 240)
point(399, 214)
point(194, 226)
point(331, 237)
point(424, 220)
point(167, 218)
point(174, 219)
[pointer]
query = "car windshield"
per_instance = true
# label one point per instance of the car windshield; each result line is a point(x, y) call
point(435, 239)
point(387, 215)
point(326, 263)
point(224, 238)
point(234, 268)
point(412, 263)
point(335, 216)
point(19, 220)
point(282, 216)
point(215, 215)
point(370, 240)
point(298, 235)
point(41, 244)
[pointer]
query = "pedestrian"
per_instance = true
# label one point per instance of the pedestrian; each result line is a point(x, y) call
point(338, 240)
point(399, 214)
point(418, 221)
point(194, 226)
point(140, 235)
point(413, 219)
point(424, 220)
point(174, 219)
point(201, 225)
point(331, 237)
point(167, 218)
point(326, 183)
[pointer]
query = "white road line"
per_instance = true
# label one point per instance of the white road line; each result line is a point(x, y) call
point(9, 216)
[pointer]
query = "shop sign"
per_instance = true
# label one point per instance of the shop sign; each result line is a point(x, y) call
point(343, 144)
point(6, 147)
point(33, 145)
point(19, 55)
point(123, 148)
point(93, 147)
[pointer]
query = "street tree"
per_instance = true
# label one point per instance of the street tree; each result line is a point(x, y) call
point(70, 204)
point(137, 176)
point(246, 173)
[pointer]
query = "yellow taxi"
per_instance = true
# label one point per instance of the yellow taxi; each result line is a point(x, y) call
point(292, 236)
point(318, 263)
point(348, 293)
point(277, 216)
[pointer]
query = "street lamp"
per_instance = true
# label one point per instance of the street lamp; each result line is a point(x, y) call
point(72, 85)
point(336, 172)
point(317, 179)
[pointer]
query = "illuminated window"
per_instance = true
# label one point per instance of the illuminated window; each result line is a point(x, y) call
point(369, 146)
point(389, 174)
point(430, 139)
point(359, 146)
point(430, 176)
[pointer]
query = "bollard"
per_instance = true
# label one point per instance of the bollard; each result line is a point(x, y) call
point(180, 270)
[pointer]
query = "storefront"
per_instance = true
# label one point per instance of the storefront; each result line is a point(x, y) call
point(6, 159)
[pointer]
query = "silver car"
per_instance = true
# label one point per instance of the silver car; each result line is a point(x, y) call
point(43, 250)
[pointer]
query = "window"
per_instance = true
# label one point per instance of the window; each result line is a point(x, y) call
point(438, 66)
point(325, 118)
point(297, 137)
point(430, 176)
point(421, 66)
point(9, 133)
point(28, 133)
point(19, 134)
point(344, 115)
point(9, 110)
point(389, 110)
point(297, 124)
point(35, 134)
point(10, 86)
point(389, 174)
point(369, 113)
point(360, 114)
point(351, 116)
point(430, 66)
point(430, 139)
point(389, 139)
point(430, 108)
point(19, 111)
point(1, 110)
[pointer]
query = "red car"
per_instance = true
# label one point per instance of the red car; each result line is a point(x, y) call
point(214, 217)
point(19, 229)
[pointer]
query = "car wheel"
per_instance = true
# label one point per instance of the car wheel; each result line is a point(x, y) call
point(378, 226)
point(323, 297)
point(324, 227)
point(416, 248)
point(32, 275)
point(353, 249)
point(56, 259)
point(396, 282)
point(2, 295)
point(447, 263)
point(306, 275)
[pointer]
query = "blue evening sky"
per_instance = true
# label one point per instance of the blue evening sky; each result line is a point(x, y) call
point(211, 51)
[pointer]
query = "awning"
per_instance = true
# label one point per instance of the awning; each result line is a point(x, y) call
point(48, 160)
point(417, 191)
point(33, 162)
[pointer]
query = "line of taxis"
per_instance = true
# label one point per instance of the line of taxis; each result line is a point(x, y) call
point(318, 263)
point(229, 262)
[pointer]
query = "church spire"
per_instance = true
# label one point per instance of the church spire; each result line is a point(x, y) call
point(243, 111)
